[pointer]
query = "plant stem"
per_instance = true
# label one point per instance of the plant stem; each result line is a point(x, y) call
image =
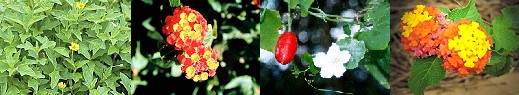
point(289, 18)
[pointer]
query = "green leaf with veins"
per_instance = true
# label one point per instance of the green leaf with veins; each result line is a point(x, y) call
point(270, 22)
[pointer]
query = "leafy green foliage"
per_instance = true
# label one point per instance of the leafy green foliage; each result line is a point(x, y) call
point(504, 29)
point(425, 72)
point(468, 12)
point(377, 63)
point(498, 65)
point(378, 37)
point(35, 36)
point(270, 22)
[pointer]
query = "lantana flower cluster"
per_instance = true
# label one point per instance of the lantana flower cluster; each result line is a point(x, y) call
point(186, 30)
point(464, 45)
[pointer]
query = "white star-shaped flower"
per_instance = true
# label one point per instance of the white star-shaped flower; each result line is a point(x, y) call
point(331, 63)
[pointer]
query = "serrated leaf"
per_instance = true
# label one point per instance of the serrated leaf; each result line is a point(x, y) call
point(424, 73)
point(305, 5)
point(468, 12)
point(309, 59)
point(270, 23)
point(498, 65)
point(504, 36)
point(378, 37)
point(63, 51)
point(356, 48)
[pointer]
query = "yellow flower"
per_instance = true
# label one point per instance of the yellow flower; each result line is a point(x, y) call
point(80, 5)
point(74, 46)
point(204, 76)
point(62, 85)
point(207, 54)
point(195, 57)
point(471, 44)
point(191, 17)
point(412, 19)
point(196, 78)
point(212, 64)
point(190, 72)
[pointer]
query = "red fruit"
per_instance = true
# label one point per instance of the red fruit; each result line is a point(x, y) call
point(286, 47)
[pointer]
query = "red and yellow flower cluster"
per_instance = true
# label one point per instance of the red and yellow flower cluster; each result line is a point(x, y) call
point(186, 31)
point(464, 45)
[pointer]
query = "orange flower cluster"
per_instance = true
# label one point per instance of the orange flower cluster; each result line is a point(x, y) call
point(199, 63)
point(419, 30)
point(186, 28)
point(464, 45)
point(186, 31)
point(467, 48)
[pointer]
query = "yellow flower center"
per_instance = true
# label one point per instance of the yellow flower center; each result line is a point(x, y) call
point(74, 46)
point(471, 43)
point(196, 78)
point(195, 57)
point(411, 19)
point(62, 85)
point(191, 17)
point(204, 76)
point(175, 27)
point(198, 27)
point(80, 5)
point(212, 64)
point(207, 54)
point(190, 72)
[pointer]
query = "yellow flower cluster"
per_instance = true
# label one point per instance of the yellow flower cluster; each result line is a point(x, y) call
point(411, 19)
point(471, 43)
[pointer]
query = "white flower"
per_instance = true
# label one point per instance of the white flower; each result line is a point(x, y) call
point(331, 63)
point(338, 33)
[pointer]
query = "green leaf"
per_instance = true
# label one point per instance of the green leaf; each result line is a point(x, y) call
point(94, 7)
point(292, 3)
point(96, 44)
point(45, 42)
point(54, 78)
point(498, 65)
point(356, 48)
point(425, 72)
point(504, 29)
point(63, 51)
point(305, 4)
point(309, 59)
point(174, 3)
point(33, 84)
point(444, 10)
point(80, 64)
point(378, 37)
point(378, 74)
point(270, 23)
point(112, 50)
point(125, 81)
point(26, 70)
point(83, 50)
point(346, 28)
point(26, 46)
point(469, 12)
